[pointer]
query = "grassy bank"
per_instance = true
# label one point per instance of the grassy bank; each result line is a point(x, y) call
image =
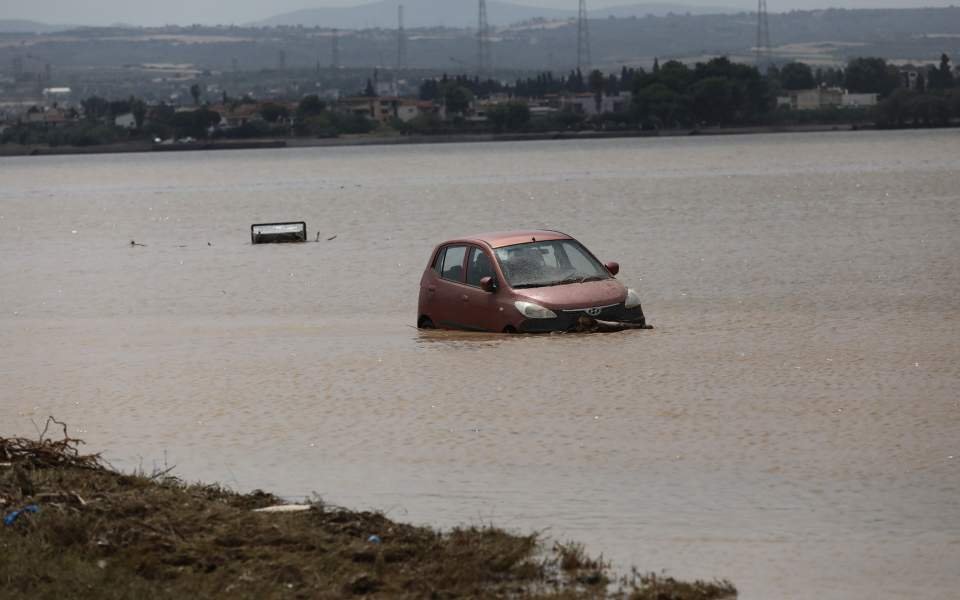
point(399, 140)
point(98, 533)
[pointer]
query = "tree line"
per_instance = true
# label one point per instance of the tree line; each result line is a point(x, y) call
point(672, 95)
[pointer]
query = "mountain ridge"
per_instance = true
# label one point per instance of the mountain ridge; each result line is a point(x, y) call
point(462, 14)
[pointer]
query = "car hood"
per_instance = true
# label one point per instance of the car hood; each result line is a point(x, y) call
point(577, 295)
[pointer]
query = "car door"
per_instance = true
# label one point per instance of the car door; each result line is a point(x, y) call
point(480, 309)
point(448, 287)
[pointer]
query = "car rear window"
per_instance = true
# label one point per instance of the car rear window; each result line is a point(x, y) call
point(453, 263)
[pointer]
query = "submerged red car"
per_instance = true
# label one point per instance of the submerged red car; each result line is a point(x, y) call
point(522, 281)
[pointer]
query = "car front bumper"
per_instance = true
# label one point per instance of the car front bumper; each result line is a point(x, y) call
point(573, 320)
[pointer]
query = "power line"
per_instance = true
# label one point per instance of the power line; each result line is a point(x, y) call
point(483, 42)
point(401, 41)
point(584, 60)
point(763, 48)
point(335, 49)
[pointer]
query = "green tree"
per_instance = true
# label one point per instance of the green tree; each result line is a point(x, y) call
point(119, 107)
point(597, 83)
point(195, 92)
point(457, 99)
point(139, 110)
point(351, 123)
point(941, 78)
point(675, 75)
point(659, 106)
point(161, 113)
point(929, 109)
point(369, 91)
point(871, 76)
point(510, 116)
point(95, 107)
point(894, 110)
point(311, 105)
point(194, 123)
point(796, 76)
point(274, 113)
point(714, 101)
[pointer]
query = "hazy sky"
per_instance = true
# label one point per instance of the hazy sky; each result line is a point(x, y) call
point(153, 12)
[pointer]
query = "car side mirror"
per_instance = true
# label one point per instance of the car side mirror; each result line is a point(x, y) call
point(488, 284)
point(613, 267)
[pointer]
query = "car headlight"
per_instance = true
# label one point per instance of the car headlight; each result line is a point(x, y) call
point(633, 299)
point(534, 311)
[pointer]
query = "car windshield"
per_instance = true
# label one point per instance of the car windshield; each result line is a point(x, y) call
point(555, 262)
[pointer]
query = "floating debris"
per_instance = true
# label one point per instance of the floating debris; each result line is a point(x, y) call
point(278, 233)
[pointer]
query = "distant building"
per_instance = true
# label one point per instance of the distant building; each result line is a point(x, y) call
point(384, 108)
point(237, 116)
point(586, 103)
point(818, 98)
point(910, 78)
point(50, 117)
point(854, 100)
point(126, 120)
point(57, 93)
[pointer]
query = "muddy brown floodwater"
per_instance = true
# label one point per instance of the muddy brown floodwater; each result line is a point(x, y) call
point(792, 424)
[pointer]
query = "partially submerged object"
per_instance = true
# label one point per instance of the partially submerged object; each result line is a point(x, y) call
point(524, 281)
point(278, 233)
point(284, 508)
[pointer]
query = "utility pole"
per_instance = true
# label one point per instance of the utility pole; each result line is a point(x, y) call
point(483, 42)
point(335, 52)
point(763, 49)
point(584, 60)
point(401, 41)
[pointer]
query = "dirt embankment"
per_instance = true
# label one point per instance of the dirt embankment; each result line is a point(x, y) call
point(74, 528)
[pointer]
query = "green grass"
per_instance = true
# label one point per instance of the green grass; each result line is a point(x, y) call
point(103, 534)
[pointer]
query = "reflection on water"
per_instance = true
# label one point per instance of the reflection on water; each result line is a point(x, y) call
point(791, 424)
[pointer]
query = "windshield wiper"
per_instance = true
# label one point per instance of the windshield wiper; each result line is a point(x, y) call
point(578, 279)
point(530, 285)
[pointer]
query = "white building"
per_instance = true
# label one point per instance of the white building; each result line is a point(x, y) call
point(126, 120)
point(856, 100)
point(57, 93)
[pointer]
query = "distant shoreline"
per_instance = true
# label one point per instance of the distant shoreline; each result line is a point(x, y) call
point(8, 150)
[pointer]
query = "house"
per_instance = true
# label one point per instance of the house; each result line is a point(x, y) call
point(814, 99)
point(50, 117)
point(382, 108)
point(857, 100)
point(57, 93)
point(237, 115)
point(586, 103)
point(126, 120)
point(910, 78)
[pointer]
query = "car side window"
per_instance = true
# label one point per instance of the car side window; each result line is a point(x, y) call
point(438, 261)
point(478, 267)
point(453, 263)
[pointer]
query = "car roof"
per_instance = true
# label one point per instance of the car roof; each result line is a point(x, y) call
point(499, 239)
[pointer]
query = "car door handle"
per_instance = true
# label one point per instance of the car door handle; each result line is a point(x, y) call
point(431, 289)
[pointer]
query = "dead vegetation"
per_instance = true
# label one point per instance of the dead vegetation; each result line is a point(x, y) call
point(103, 534)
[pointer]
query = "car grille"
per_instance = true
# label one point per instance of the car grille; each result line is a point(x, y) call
point(605, 311)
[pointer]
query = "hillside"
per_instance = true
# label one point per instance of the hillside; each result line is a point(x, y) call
point(22, 26)
point(461, 14)
point(818, 37)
